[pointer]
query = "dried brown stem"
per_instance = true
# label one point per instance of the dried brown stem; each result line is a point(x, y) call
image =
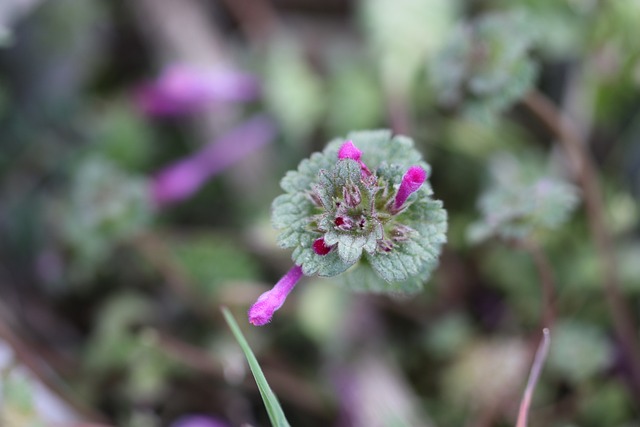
point(575, 147)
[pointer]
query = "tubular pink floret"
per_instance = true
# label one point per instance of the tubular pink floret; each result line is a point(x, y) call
point(262, 311)
point(349, 151)
point(411, 182)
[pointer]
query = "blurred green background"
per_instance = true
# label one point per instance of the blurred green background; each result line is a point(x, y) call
point(123, 230)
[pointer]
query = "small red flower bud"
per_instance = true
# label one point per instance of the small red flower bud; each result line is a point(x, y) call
point(320, 247)
point(343, 223)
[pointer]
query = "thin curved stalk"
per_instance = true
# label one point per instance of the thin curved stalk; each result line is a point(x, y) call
point(575, 148)
point(538, 362)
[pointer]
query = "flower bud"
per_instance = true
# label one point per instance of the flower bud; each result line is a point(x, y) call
point(351, 195)
point(384, 245)
point(349, 151)
point(411, 182)
point(320, 247)
point(343, 223)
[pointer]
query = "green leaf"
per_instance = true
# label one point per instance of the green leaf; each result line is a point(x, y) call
point(105, 207)
point(276, 415)
point(563, 29)
point(579, 351)
point(398, 265)
point(307, 172)
point(363, 278)
point(485, 68)
point(290, 213)
point(312, 263)
point(350, 247)
point(346, 172)
point(522, 200)
point(421, 251)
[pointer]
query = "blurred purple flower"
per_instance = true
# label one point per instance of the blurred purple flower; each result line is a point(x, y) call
point(181, 89)
point(181, 179)
point(198, 421)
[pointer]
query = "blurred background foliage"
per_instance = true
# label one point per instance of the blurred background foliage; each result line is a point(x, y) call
point(123, 231)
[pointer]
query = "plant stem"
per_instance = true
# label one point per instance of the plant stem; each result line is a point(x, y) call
point(538, 362)
point(575, 147)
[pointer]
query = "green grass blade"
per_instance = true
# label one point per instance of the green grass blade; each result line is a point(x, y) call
point(276, 415)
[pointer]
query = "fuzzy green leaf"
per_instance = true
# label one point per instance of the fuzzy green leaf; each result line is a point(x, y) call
point(364, 278)
point(521, 200)
point(485, 68)
point(408, 258)
point(579, 351)
point(105, 207)
point(346, 172)
point(350, 247)
point(290, 213)
point(307, 173)
point(312, 263)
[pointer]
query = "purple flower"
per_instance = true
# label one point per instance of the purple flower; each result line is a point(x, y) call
point(181, 89)
point(262, 311)
point(181, 179)
point(349, 151)
point(198, 421)
point(411, 182)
